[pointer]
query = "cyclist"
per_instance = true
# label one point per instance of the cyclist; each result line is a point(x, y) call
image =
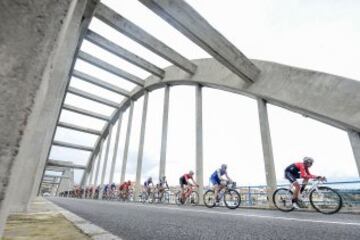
point(296, 171)
point(124, 189)
point(147, 187)
point(162, 185)
point(106, 190)
point(218, 181)
point(185, 180)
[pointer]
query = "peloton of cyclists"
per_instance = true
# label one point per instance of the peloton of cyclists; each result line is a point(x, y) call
point(300, 170)
point(185, 180)
point(218, 181)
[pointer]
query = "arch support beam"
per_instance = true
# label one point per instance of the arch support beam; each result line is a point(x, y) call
point(164, 132)
point(355, 144)
point(117, 138)
point(267, 149)
point(103, 173)
point(141, 145)
point(199, 141)
point(185, 19)
point(127, 143)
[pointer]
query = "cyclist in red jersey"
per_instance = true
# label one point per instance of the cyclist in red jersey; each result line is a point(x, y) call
point(184, 180)
point(300, 170)
point(124, 188)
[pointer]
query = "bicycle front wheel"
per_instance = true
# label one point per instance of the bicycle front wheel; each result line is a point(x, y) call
point(282, 199)
point(325, 200)
point(232, 199)
point(194, 198)
point(209, 198)
point(165, 198)
point(178, 198)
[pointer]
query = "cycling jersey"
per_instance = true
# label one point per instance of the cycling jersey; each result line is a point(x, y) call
point(124, 186)
point(147, 183)
point(106, 188)
point(163, 183)
point(297, 170)
point(113, 186)
point(214, 178)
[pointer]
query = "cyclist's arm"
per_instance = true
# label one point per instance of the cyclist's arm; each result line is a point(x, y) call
point(304, 173)
point(227, 176)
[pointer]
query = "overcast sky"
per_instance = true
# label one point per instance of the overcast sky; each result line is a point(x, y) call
point(320, 35)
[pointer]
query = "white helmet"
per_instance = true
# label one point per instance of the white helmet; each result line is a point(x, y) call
point(191, 172)
point(223, 166)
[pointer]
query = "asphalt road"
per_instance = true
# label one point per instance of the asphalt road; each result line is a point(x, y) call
point(145, 221)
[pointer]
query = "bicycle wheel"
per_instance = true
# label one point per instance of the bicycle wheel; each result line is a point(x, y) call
point(282, 199)
point(232, 199)
point(325, 200)
point(165, 198)
point(194, 198)
point(143, 197)
point(178, 198)
point(209, 198)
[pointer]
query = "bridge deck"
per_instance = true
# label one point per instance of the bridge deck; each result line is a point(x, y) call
point(138, 221)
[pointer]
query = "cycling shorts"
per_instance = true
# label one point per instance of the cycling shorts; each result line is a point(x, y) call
point(291, 176)
point(183, 181)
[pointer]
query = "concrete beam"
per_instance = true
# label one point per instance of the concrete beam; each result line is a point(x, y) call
point(199, 141)
point(72, 145)
point(185, 19)
point(141, 145)
point(100, 83)
point(123, 53)
point(117, 139)
point(110, 68)
point(137, 34)
point(164, 131)
point(39, 40)
point(267, 150)
point(106, 159)
point(86, 112)
point(97, 167)
point(127, 143)
point(92, 97)
point(64, 164)
point(54, 176)
point(355, 144)
point(78, 128)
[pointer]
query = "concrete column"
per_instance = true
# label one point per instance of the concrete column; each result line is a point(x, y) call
point(38, 42)
point(105, 162)
point(164, 132)
point(355, 144)
point(267, 149)
point(199, 141)
point(117, 137)
point(141, 145)
point(97, 168)
point(127, 143)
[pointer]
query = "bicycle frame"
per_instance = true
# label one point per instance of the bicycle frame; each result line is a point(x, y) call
point(314, 184)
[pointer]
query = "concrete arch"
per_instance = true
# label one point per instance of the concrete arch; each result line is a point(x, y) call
point(328, 98)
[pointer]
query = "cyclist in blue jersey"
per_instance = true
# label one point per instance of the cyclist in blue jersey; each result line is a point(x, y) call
point(218, 181)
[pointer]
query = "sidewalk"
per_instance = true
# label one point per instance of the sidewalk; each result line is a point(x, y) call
point(46, 221)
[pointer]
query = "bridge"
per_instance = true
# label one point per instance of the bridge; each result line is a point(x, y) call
point(39, 73)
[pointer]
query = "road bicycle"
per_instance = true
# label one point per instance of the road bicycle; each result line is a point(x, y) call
point(161, 196)
point(323, 199)
point(192, 197)
point(147, 196)
point(228, 194)
point(125, 195)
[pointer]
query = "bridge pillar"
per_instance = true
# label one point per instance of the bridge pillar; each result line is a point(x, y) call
point(103, 173)
point(127, 143)
point(199, 141)
point(97, 169)
point(355, 144)
point(39, 40)
point(267, 149)
point(164, 132)
point(117, 137)
point(141, 146)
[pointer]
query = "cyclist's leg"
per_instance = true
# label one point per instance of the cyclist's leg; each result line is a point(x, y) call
point(304, 183)
point(292, 179)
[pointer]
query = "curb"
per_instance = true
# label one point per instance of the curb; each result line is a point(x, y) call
point(93, 231)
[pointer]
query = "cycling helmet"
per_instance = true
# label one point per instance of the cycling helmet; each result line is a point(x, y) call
point(150, 178)
point(308, 160)
point(223, 166)
point(191, 172)
point(129, 182)
point(163, 177)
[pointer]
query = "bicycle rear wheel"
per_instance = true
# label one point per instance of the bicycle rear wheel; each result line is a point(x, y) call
point(325, 200)
point(232, 199)
point(209, 198)
point(282, 199)
point(194, 198)
point(165, 198)
point(178, 198)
